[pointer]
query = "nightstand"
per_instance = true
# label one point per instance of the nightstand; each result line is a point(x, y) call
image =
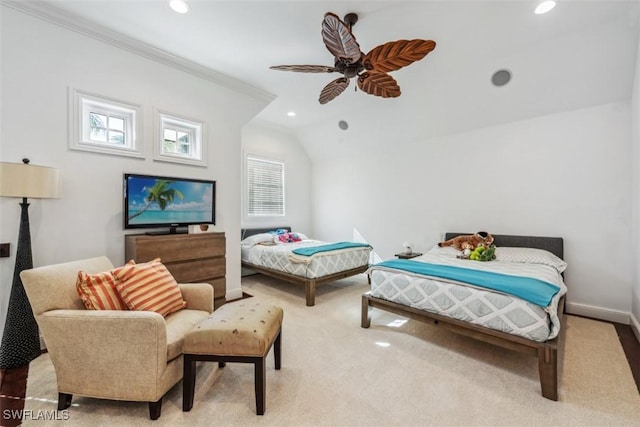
point(404, 255)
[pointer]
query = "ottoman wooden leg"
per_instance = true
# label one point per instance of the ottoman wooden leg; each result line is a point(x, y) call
point(188, 382)
point(260, 383)
point(277, 346)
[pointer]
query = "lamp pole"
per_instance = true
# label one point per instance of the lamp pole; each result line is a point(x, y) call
point(21, 338)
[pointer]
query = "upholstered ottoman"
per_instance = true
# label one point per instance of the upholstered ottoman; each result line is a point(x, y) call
point(242, 331)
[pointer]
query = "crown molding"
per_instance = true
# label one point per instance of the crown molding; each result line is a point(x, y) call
point(72, 22)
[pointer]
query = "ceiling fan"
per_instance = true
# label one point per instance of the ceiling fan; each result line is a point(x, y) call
point(370, 69)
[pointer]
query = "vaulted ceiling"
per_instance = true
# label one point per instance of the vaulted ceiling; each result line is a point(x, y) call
point(580, 54)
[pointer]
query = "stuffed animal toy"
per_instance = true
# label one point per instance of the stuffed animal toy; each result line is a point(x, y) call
point(482, 254)
point(479, 254)
point(472, 241)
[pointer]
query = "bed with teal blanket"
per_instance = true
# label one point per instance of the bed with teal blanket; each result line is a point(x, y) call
point(295, 258)
point(516, 301)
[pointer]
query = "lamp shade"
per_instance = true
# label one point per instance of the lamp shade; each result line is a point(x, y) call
point(25, 180)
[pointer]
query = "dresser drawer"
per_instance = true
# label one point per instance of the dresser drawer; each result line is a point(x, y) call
point(185, 247)
point(198, 270)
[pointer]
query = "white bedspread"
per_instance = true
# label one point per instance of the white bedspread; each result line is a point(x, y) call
point(278, 257)
point(471, 304)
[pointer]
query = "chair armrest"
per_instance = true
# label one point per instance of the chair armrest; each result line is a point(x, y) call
point(199, 296)
point(109, 347)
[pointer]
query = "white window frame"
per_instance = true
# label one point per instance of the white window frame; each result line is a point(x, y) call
point(197, 131)
point(248, 170)
point(82, 103)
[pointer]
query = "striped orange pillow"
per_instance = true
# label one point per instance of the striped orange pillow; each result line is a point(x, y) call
point(98, 291)
point(149, 287)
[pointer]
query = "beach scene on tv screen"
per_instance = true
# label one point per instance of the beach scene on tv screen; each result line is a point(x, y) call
point(164, 201)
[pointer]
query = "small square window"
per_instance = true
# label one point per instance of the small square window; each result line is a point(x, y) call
point(104, 125)
point(180, 139)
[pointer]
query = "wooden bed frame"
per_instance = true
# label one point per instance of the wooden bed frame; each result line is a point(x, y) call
point(309, 284)
point(546, 352)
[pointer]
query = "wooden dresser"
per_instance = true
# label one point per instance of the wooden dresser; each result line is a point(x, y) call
point(191, 258)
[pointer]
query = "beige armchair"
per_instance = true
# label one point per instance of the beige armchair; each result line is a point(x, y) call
point(118, 355)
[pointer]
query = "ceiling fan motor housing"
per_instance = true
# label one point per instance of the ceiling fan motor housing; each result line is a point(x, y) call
point(347, 68)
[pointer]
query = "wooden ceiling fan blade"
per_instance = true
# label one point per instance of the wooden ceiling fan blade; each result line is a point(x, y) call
point(333, 89)
point(379, 84)
point(394, 55)
point(339, 40)
point(304, 68)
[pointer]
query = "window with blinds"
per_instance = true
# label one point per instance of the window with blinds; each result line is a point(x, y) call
point(265, 187)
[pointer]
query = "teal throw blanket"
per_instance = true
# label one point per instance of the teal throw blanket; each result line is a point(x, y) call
point(312, 250)
point(535, 291)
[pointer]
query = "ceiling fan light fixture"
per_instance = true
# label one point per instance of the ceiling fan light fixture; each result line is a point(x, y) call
point(179, 6)
point(545, 7)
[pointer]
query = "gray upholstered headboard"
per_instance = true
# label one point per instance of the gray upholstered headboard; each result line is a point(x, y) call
point(246, 232)
point(555, 245)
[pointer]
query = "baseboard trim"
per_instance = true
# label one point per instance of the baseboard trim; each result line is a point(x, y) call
point(635, 326)
point(598, 313)
point(234, 294)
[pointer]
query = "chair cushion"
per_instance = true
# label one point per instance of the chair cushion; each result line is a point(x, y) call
point(98, 291)
point(179, 324)
point(149, 287)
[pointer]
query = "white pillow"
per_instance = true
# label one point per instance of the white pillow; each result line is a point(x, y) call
point(531, 256)
point(446, 251)
point(509, 254)
point(251, 241)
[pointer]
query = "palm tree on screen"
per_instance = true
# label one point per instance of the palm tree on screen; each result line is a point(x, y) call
point(161, 193)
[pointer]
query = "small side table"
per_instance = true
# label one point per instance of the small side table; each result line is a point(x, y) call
point(404, 255)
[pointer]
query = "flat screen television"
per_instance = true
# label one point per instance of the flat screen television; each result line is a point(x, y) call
point(159, 202)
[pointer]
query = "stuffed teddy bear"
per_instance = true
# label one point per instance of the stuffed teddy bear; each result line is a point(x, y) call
point(472, 241)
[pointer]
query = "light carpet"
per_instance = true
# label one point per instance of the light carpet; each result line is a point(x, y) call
point(398, 372)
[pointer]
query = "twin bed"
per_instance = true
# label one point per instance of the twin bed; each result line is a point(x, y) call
point(530, 323)
point(261, 253)
point(477, 299)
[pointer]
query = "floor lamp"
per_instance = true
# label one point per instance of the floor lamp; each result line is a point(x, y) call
point(21, 338)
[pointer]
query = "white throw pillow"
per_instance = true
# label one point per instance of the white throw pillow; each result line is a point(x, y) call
point(256, 239)
point(530, 256)
point(447, 251)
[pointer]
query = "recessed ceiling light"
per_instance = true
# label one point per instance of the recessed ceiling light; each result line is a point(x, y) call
point(545, 7)
point(291, 114)
point(179, 6)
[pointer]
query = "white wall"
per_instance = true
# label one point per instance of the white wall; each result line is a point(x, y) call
point(566, 175)
point(40, 61)
point(260, 139)
point(635, 228)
